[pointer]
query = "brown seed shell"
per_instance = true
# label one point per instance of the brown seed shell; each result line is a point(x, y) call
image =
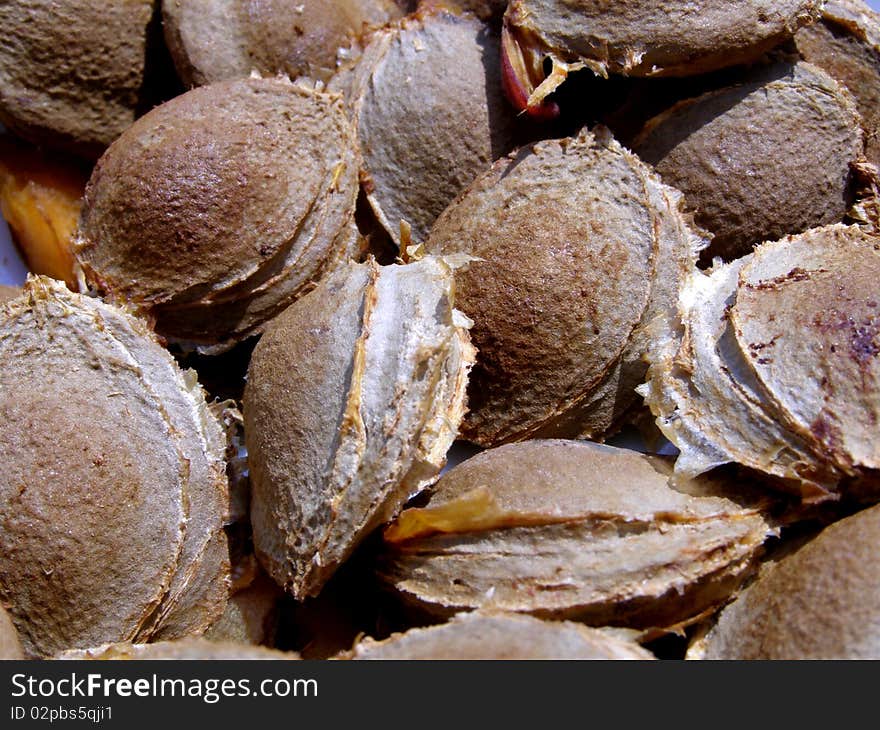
point(764, 159)
point(568, 235)
point(72, 74)
point(103, 447)
point(568, 529)
point(846, 45)
point(251, 615)
point(671, 38)
point(420, 83)
point(500, 636)
point(819, 603)
point(353, 398)
point(217, 209)
point(215, 40)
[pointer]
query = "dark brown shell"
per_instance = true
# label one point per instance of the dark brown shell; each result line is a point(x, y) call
point(217, 209)
point(72, 74)
point(761, 160)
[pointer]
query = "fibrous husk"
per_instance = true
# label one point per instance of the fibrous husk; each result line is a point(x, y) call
point(187, 649)
point(762, 159)
point(580, 246)
point(219, 208)
point(114, 492)
point(419, 83)
point(772, 364)
point(846, 45)
point(10, 646)
point(819, 603)
point(354, 396)
point(72, 74)
point(499, 636)
point(574, 530)
point(215, 40)
point(635, 38)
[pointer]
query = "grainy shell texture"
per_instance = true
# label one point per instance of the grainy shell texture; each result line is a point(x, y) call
point(353, 398)
point(217, 209)
point(819, 603)
point(500, 636)
point(72, 73)
point(430, 115)
point(114, 492)
point(846, 45)
point(764, 159)
point(775, 365)
point(215, 40)
point(579, 247)
point(672, 37)
point(575, 530)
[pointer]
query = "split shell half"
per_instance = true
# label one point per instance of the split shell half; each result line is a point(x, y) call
point(500, 636)
point(430, 115)
point(819, 603)
point(215, 40)
point(764, 159)
point(578, 246)
point(114, 492)
point(574, 530)
point(217, 209)
point(354, 396)
point(73, 74)
point(773, 365)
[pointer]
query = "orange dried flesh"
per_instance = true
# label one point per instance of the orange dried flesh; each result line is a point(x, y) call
point(40, 199)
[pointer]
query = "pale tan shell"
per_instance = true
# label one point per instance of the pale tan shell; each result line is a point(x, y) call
point(419, 84)
point(354, 396)
point(807, 320)
point(10, 646)
point(72, 74)
point(187, 649)
point(673, 37)
point(763, 159)
point(846, 45)
point(114, 486)
point(772, 364)
point(580, 247)
point(215, 40)
point(500, 636)
point(575, 530)
point(819, 603)
point(219, 208)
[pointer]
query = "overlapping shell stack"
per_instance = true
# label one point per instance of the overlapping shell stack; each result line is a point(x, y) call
point(615, 264)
